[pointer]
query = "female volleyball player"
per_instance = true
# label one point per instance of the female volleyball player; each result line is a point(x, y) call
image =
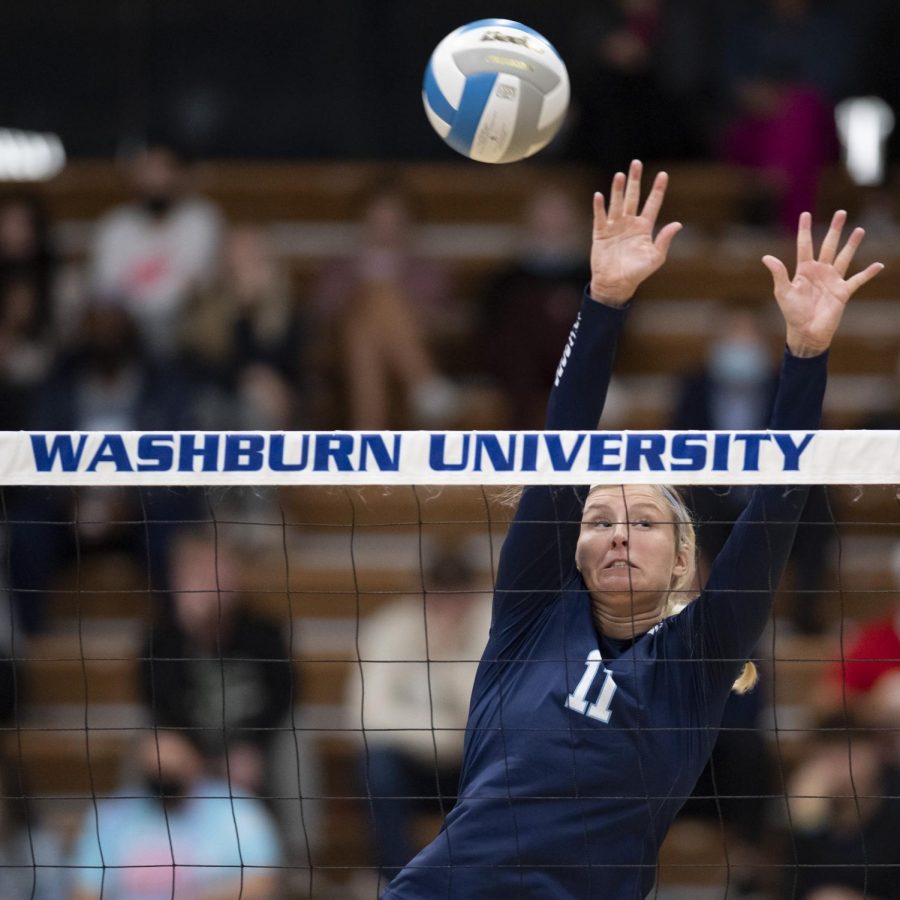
point(595, 708)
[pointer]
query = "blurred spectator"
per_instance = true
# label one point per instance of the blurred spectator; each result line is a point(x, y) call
point(149, 255)
point(868, 677)
point(179, 833)
point(27, 266)
point(213, 666)
point(411, 700)
point(784, 65)
point(640, 71)
point(528, 308)
point(25, 244)
point(31, 857)
point(243, 339)
point(26, 348)
point(735, 387)
point(107, 381)
point(734, 390)
point(377, 302)
point(104, 382)
point(845, 814)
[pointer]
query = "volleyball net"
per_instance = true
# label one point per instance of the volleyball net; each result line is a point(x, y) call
point(256, 650)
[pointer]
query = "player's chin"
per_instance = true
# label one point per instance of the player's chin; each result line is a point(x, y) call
point(628, 592)
point(618, 579)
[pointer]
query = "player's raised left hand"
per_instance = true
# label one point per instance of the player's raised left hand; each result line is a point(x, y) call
point(813, 301)
point(624, 252)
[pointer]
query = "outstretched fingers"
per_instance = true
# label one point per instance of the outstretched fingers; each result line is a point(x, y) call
point(804, 239)
point(633, 187)
point(864, 277)
point(842, 260)
point(779, 273)
point(655, 198)
point(666, 236)
point(599, 213)
point(833, 238)
point(845, 257)
point(617, 196)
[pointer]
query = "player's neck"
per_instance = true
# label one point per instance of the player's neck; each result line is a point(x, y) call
point(625, 617)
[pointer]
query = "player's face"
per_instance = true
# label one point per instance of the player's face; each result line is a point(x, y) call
point(627, 550)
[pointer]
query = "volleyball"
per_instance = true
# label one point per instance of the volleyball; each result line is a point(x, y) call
point(496, 91)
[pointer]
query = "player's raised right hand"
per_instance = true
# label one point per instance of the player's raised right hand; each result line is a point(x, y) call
point(624, 252)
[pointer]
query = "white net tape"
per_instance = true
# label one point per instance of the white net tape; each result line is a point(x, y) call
point(423, 457)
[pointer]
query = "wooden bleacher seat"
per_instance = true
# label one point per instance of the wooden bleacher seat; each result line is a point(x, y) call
point(672, 335)
point(693, 854)
point(368, 505)
point(705, 196)
point(449, 191)
point(78, 669)
point(102, 585)
point(66, 762)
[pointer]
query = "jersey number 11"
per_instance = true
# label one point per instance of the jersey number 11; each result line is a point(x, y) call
point(577, 700)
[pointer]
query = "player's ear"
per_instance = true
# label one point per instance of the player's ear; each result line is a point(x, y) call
point(680, 566)
point(578, 556)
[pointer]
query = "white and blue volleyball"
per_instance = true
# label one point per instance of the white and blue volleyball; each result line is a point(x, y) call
point(496, 91)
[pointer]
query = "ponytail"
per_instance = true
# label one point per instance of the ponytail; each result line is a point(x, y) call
point(684, 589)
point(747, 680)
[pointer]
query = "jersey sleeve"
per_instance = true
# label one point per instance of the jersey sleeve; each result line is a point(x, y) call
point(538, 554)
point(725, 624)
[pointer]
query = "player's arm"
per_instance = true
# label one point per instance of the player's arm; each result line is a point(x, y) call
point(539, 550)
point(749, 567)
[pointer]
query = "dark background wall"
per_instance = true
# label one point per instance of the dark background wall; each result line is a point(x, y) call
point(264, 78)
point(340, 78)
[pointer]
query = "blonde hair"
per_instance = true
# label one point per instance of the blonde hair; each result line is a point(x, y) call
point(684, 588)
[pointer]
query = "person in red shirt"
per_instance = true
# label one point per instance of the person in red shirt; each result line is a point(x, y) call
point(869, 671)
point(875, 652)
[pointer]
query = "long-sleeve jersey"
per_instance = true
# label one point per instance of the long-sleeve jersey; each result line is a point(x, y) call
point(579, 750)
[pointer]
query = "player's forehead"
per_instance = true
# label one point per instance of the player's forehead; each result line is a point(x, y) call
point(627, 497)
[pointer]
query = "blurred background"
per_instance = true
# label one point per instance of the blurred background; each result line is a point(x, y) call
point(285, 80)
point(221, 215)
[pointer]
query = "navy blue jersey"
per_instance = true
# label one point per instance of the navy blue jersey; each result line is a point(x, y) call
point(581, 750)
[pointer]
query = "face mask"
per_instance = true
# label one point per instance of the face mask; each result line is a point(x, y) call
point(738, 363)
point(157, 204)
point(167, 789)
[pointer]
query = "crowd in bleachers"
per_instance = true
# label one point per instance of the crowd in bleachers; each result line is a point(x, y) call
point(180, 319)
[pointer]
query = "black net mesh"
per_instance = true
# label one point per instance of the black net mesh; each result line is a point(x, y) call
point(270, 688)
